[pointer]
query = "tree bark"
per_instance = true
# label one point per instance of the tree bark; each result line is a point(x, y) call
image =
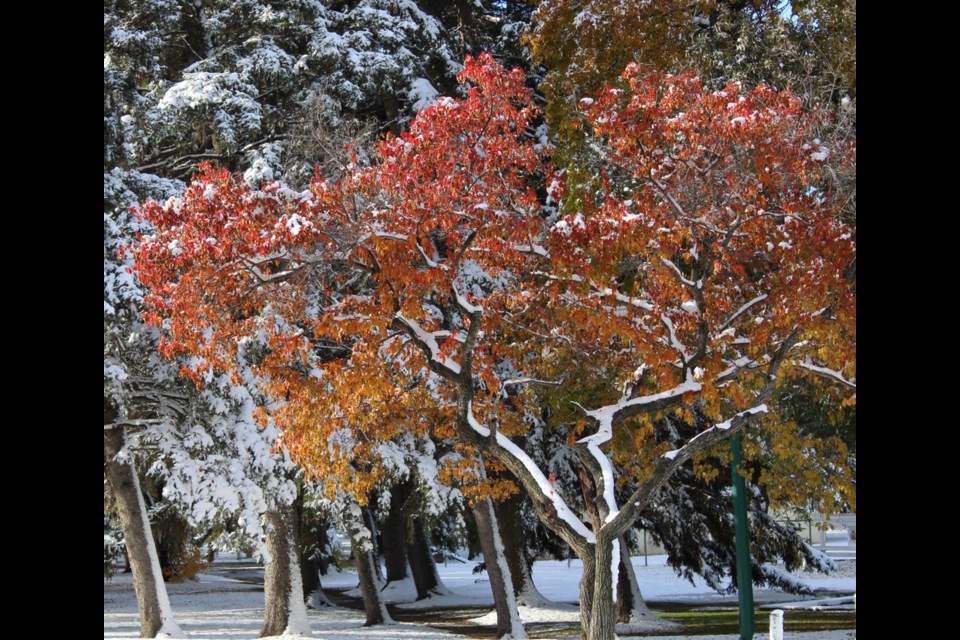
point(309, 548)
point(515, 549)
point(603, 618)
point(314, 553)
point(586, 593)
point(508, 618)
point(422, 566)
point(361, 539)
point(284, 610)
point(375, 547)
point(630, 605)
point(156, 615)
point(394, 533)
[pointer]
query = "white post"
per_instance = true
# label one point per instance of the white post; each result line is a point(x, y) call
point(776, 624)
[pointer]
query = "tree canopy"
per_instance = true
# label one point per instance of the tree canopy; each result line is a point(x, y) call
point(414, 292)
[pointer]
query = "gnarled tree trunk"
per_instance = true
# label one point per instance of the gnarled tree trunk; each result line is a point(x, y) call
point(586, 592)
point(631, 609)
point(603, 615)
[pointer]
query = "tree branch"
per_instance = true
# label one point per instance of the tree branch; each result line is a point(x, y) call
point(427, 343)
point(829, 374)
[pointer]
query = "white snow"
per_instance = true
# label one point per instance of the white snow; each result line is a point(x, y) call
point(464, 303)
point(832, 373)
point(610, 411)
point(563, 511)
point(820, 154)
point(723, 426)
point(431, 342)
point(168, 624)
point(567, 225)
point(690, 306)
point(296, 223)
point(221, 607)
point(297, 623)
point(421, 94)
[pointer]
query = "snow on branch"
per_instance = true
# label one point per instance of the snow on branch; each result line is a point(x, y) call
point(522, 381)
point(739, 312)
point(430, 263)
point(830, 374)
point(548, 490)
point(132, 423)
point(464, 304)
point(532, 247)
point(602, 436)
point(640, 303)
point(682, 278)
point(735, 368)
point(626, 408)
point(606, 416)
point(678, 346)
point(690, 447)
point(400, 237)
point(429, 345)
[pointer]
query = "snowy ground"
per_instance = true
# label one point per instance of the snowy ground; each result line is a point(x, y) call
point(223, 605)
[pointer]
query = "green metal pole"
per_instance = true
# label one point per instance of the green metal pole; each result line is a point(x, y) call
point(744, 571)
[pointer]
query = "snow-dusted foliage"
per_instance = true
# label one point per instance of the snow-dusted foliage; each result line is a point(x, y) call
point(409, 456)
point(383, 53)
point(230, 80)
point(207, 105)
point(130, 358)
point(219, 466)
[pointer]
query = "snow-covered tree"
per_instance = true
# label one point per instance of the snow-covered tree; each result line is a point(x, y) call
point(138, 388)
point(200, 443)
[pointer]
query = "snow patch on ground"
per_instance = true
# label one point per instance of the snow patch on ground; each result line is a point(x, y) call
point(220, 607)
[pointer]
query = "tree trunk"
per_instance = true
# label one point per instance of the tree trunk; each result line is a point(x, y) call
point(422, 566)
point(361, 539)
point(314, 549)
point(375, 547)
point(309, 549)
point(514, 548)
point(630, 605)
point(324, 549)
point(284, 608)
point(603, 615)
point(391, 107)
point(156, 615)
point(508, 618)
point(394, 533)
point(598, 619)
point(586, 592)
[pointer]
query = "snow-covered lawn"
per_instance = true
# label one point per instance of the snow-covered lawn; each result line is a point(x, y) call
point(224, 608)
